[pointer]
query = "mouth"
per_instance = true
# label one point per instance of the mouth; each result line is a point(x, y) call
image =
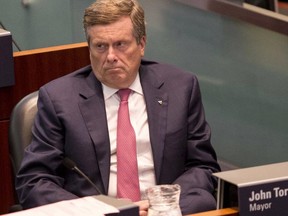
point(113, 70)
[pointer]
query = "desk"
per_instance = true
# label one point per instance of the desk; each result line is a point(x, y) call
point(219, 212)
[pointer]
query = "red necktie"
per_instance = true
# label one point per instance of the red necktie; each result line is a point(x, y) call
point(127, 169)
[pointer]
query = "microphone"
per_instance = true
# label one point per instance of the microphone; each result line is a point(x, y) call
point(68, 163)
point(125, 207)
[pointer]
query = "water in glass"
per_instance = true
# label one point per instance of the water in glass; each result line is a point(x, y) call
point(164, 200)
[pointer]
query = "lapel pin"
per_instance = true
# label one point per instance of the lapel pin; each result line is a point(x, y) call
point(160, 102)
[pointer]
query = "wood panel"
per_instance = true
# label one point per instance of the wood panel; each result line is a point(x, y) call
point(220, 212)
point(32, 69)
point(6, 182)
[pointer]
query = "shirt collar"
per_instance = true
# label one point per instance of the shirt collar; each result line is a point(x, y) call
point(135, 87)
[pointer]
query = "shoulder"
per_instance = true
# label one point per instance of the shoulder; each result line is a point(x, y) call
point(67, 81)
point(166, 71)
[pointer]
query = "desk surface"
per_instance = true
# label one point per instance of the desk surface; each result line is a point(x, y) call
point(220, 212)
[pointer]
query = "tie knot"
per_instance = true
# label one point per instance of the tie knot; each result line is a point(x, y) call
point(124, 94)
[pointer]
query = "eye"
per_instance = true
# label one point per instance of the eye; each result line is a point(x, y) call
point(100, 47)
point(122, 45)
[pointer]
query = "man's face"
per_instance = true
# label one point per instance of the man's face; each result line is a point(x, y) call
point(114, 53)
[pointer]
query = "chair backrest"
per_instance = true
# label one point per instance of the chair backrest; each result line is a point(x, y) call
point(21, 122)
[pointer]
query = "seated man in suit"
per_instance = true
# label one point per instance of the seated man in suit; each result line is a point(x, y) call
point(78, 118)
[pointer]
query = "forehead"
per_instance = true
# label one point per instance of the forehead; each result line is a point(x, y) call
point(121, 28)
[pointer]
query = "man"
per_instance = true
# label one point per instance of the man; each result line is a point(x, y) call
point(77, 118)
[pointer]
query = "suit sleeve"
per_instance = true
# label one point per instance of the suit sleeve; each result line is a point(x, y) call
point(40, 179)
point(197, 183)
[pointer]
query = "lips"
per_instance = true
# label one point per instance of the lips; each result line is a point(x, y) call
point(113, 70)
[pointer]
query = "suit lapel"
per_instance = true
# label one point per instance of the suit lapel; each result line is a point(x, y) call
point(94, 115)
point(157, 104)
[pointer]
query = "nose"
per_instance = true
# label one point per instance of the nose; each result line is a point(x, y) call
point(111, 56)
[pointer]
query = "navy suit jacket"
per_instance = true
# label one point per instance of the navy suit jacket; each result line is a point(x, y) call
point(71, 122)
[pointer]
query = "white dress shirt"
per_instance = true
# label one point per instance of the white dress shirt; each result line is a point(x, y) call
point(139, 121)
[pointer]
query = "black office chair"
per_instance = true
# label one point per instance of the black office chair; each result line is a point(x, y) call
point(20, 134)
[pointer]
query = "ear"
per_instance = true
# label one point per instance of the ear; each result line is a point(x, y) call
point(142, 44)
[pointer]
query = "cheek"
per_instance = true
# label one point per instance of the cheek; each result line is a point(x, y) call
point(133, 54)
point(135, 58)
point(96, 65)
point(97, 60)
point(93, 57)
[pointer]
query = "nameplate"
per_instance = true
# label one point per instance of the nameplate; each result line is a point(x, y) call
point(6, 59)
point(257, 191)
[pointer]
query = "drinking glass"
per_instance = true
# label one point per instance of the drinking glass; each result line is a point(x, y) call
point(164, 200)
